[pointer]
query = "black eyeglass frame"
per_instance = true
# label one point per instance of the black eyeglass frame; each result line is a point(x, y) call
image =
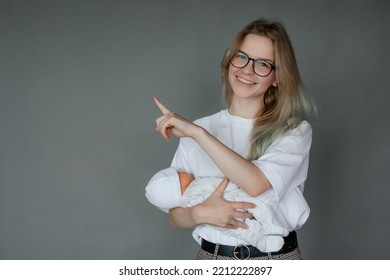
point(273, 67)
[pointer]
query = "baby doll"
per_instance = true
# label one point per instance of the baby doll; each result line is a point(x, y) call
point(264, 232)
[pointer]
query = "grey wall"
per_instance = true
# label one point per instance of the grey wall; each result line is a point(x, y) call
point(77, 139)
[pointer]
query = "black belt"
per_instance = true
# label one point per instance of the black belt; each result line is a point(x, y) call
point(242, 252)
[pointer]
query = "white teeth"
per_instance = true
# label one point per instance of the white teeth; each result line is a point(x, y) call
point(245, 81)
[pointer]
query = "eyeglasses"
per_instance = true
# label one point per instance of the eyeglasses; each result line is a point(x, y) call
point(261, 67)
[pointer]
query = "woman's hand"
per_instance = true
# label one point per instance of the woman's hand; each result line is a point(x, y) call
point(222, 213)
point(214, 211)
point(172, 124)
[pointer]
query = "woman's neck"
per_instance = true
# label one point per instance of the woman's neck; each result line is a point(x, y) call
point(245, 108)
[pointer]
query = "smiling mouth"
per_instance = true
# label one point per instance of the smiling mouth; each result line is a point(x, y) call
point(245, 81)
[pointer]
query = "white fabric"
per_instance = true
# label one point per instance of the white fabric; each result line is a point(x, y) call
point(264, 232)
point(284, 163)
point(159, 194)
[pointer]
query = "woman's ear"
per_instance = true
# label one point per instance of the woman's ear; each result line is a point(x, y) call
point(275, 83)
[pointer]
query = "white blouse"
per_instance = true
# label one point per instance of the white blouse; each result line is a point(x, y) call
point(284, 163)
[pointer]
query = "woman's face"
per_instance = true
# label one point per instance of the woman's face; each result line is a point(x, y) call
point(244, 81)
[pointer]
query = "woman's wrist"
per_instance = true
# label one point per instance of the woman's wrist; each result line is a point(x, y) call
point(197, 215)
point(184, 218)
point(198, 133)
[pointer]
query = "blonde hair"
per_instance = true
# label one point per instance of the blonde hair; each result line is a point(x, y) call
point(286, 105)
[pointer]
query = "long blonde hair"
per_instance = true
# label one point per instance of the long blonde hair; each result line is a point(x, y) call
point(286, 105)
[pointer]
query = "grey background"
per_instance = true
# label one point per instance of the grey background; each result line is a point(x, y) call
point(77, 139)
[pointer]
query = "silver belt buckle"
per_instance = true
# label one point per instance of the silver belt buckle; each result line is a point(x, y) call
point(236, 252)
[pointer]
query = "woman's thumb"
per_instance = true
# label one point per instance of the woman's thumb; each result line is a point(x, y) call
point(222, 187)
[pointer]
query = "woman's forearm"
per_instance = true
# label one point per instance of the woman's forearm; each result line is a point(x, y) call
point(236, 168)
point(182, 218)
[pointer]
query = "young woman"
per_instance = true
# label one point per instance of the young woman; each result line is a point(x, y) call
point(261, 142)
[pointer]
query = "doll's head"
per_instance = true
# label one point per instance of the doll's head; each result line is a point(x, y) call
point(185, 180)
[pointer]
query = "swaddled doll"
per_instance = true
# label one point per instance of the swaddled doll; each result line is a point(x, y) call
point(264, 232)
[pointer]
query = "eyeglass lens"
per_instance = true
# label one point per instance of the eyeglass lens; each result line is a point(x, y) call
point(260, 66)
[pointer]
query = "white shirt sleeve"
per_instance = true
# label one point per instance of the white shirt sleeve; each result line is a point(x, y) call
point(285, 163)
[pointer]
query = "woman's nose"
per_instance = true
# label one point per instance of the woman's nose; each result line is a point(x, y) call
point(248, 69)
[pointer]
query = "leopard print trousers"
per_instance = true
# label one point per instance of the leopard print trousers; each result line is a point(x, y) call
point(293, 255)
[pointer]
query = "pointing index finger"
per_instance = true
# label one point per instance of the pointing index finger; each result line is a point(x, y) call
point(161, 106)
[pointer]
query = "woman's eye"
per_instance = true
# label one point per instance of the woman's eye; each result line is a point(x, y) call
point(264, 64)
point(241, 56)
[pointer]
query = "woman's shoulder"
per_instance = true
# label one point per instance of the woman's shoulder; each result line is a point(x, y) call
point(303, 128)
point(296, 138)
